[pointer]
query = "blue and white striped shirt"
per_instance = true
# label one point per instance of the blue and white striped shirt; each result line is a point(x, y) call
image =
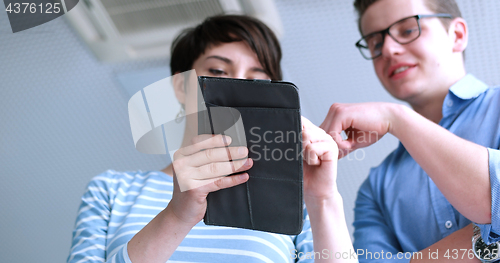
point(117, 205)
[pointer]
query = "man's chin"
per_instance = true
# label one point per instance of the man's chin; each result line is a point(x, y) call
point(404, 93)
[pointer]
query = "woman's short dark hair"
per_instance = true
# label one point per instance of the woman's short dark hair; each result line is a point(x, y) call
point(215, 30)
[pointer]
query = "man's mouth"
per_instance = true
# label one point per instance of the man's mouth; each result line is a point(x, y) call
point(400, 69)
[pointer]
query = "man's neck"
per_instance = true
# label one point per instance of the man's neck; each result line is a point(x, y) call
point(432, 106)
point(432, 109)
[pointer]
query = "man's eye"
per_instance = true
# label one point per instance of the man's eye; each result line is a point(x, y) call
point(216, 72)
point(374, 44)
point(409, 32)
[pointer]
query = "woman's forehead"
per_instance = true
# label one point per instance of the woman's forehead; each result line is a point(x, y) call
point(233, 51)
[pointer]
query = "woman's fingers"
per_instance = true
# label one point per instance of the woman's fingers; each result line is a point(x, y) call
point(194, 177)
point(218, 169)
point(306, 123)
point(217, 155)
point(319, 146)
point(318, 152)
point(312, 133)
point(208, 159)
point(225, 182)
point(204, 141)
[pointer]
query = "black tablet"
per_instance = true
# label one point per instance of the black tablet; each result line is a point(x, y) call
point(264, 116)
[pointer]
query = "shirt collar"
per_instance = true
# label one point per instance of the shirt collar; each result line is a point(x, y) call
point(468, 87)
point(465, 89)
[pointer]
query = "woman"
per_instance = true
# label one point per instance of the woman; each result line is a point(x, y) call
point(144, 217)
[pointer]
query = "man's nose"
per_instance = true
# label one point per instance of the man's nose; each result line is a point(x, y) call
point(391, 47)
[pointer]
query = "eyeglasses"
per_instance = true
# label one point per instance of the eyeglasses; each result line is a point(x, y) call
point(403, 31)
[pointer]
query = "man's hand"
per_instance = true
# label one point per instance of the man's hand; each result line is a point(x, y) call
point(444, 156)
point(363, 123)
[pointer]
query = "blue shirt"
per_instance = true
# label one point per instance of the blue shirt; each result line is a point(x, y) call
point(117, 205)
point(400, 209)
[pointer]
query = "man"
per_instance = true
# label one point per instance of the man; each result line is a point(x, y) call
point(445, 174)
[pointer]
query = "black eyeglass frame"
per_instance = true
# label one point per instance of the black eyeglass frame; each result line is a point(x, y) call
point(386, 31)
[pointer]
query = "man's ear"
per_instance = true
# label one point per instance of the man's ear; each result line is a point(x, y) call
point(178, 83)
point(460, 33)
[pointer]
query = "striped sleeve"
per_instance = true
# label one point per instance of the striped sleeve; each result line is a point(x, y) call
point(89, 234)
point(304, 241)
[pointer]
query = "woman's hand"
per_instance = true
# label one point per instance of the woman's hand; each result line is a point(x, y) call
point(323, 201)
point(201, 168)
point(320, 162)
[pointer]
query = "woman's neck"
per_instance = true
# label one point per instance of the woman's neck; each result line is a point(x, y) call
point(168, 170)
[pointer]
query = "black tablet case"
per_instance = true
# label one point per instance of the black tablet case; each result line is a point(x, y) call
point(271, 200)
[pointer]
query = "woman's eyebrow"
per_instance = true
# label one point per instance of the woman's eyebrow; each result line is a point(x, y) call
point(228, 61)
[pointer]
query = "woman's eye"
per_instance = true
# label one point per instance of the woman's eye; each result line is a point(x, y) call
point(216, 72)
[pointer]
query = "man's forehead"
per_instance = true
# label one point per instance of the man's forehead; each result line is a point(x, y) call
point(383, 13)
